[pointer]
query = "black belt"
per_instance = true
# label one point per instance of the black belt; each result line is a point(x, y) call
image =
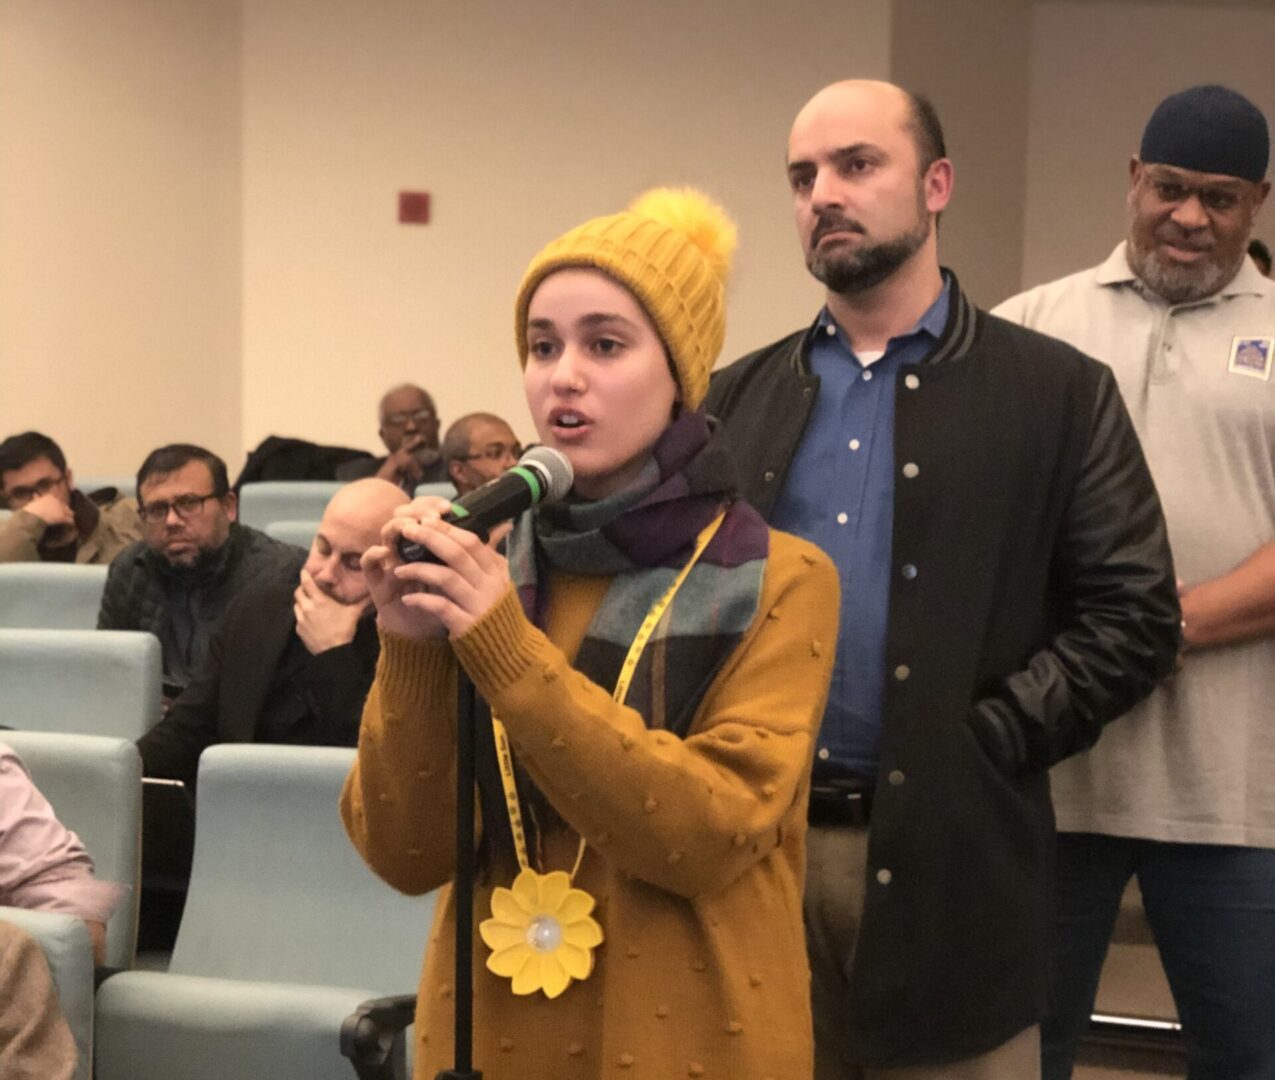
point(840, 804)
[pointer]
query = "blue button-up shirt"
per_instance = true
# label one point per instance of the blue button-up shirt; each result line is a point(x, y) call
point(839, 494)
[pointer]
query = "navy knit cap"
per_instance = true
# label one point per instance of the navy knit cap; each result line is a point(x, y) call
point(1208, 129)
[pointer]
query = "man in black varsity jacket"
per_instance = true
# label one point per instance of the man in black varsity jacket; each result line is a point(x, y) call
point(1007, 589)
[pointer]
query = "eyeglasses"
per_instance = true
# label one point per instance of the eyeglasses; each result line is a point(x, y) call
point(402, 419)
point(20, 496)
point(495, 452)
point(185, 505)
point(1216, 200)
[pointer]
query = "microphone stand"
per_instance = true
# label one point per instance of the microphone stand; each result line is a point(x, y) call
point(463, 886)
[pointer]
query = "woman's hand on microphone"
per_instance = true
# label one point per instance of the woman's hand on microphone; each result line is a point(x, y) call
point(456, 592)
point(387, 590)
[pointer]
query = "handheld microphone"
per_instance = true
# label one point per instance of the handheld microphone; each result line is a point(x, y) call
point(541, 475)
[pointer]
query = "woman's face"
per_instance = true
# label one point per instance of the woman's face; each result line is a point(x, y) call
point(597, 378)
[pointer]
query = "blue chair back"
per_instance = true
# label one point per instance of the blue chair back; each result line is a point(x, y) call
point(94, 783)
point(284, 934)
point(297, 533)
point(50, 596)
point(444, 489)
point(295, 903)
point(125, 483)
point(284, 500)
point(87, 682)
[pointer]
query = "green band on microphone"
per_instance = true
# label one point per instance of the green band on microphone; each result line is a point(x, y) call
point(533, 482)
point(459, 511)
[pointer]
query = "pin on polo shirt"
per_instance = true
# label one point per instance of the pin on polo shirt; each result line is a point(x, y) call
point(1252, 356)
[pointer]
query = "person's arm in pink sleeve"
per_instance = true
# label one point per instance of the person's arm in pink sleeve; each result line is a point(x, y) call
point(43, 865)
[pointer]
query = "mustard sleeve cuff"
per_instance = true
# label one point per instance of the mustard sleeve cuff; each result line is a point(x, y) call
point(499, 648)
point(408, 669)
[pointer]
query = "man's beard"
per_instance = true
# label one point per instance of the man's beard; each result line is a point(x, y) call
point(855, 271)
point(1176, 284)
point(197, 565)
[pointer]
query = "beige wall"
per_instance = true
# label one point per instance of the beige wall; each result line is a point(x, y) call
point(1098, 71)
point(971, 58)
point(119, 225)
point(521, 121)
point(197, 197)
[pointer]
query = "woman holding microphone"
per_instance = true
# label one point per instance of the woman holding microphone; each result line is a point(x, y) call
point(656, 661)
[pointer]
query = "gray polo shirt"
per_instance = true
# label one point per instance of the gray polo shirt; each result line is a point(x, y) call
point(1194, 763)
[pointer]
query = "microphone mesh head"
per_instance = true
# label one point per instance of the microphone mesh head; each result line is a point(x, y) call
point(552, 465)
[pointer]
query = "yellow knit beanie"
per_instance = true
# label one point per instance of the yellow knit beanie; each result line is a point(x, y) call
point(672, 249)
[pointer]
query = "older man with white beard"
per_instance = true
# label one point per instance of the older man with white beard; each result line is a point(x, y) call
point(1179, 791)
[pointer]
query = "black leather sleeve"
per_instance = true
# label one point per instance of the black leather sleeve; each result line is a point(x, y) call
point(1119, 629)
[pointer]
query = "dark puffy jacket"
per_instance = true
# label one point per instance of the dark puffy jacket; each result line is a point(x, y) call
point(144, 593)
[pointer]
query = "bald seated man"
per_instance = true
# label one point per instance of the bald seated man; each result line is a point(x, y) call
point(1006, 591)
point(409, 430)
point(293, 659)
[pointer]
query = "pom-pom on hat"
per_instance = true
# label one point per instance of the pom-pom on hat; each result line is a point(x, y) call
point(1208, 129)
point(672, 249)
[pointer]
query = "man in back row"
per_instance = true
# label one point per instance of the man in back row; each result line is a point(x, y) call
point(409, 430)
point(477, 448)
point(53, 521)
point(194, 557)
point(1006, 590)
point(1179, 792)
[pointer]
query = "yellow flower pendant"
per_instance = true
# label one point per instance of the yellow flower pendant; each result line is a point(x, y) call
point(541, 933)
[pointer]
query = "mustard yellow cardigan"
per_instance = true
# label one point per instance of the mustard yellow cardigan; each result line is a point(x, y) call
point(696, 846)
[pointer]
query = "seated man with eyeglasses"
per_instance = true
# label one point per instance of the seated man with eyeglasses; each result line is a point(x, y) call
point(409, 430)
point(477, 448)
point(193, 559)
point(52, 521)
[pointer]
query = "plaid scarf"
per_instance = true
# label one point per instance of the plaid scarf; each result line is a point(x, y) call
point(641, 537)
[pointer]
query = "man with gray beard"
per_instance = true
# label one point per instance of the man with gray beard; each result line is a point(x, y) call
point(1179, 792)
point(1006, 590)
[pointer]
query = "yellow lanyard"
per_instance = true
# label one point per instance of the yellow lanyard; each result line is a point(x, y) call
point(504, 756)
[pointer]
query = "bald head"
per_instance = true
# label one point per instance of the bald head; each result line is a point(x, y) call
point(365, 503)
point(351, 524)
point(900, 108)
point(873, 94)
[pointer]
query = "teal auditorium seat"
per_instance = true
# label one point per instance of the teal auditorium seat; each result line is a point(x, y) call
point(285, 932)
point(444, 490)
point(124, 483)
point(66, 945)
point(284, 500)
point(94, 784)
point(87, 682)
point(50, 596)
point(298, 533)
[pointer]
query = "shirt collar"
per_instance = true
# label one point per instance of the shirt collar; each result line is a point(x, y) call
point(933, 321)
point(1117, 271)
